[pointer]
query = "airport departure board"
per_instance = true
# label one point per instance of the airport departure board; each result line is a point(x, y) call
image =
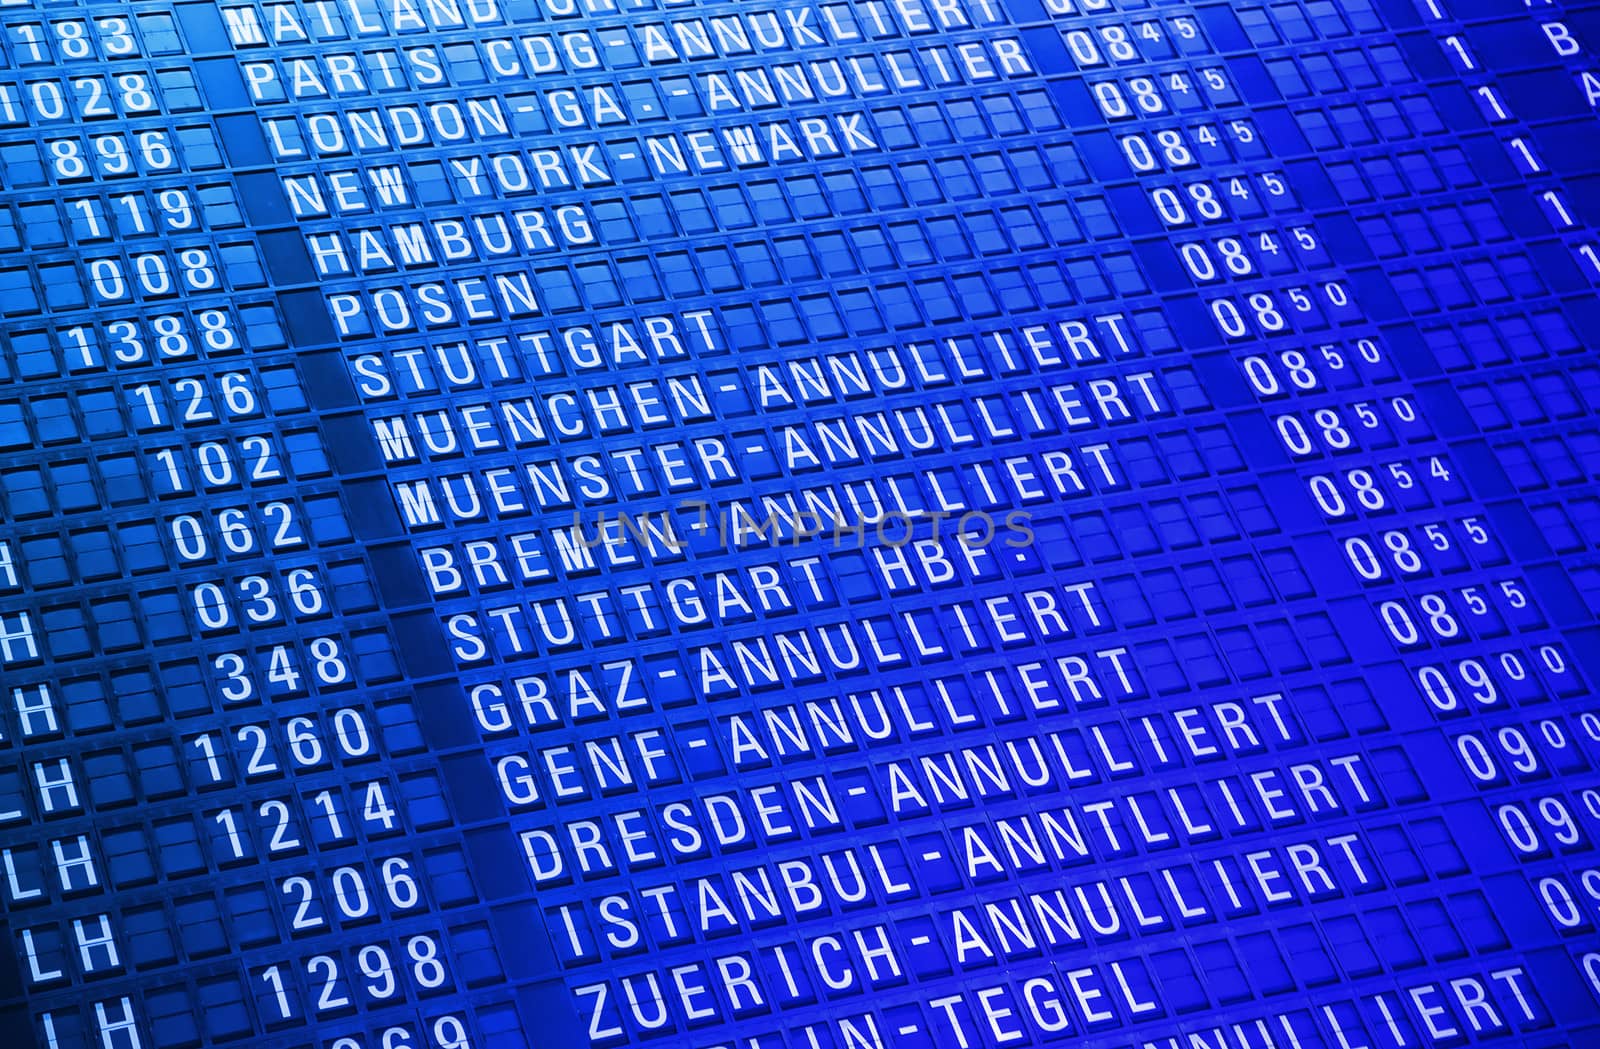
point(799, 524)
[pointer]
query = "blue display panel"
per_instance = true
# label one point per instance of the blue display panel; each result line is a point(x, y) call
point(831, 525)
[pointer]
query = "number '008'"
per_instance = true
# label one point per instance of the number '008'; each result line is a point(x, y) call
point(153, 275)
